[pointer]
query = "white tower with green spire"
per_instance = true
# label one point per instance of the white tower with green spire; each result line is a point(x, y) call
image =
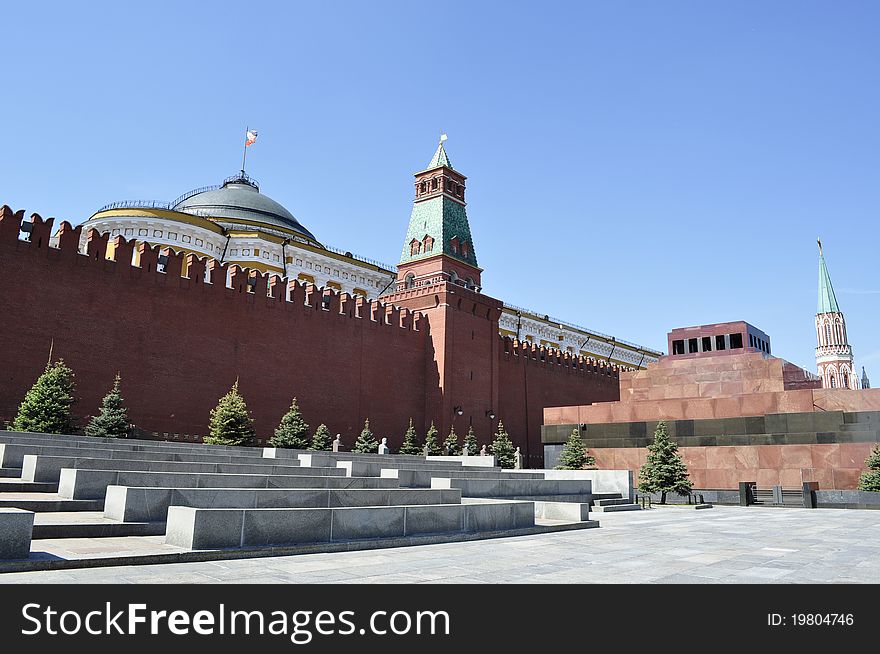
point(834, 355)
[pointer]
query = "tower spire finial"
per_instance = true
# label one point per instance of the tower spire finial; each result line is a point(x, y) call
point(819, 241)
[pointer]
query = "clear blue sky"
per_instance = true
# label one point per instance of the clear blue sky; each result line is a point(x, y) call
point(632, 166)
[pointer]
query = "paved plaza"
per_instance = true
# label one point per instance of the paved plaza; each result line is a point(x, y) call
point(663, 545)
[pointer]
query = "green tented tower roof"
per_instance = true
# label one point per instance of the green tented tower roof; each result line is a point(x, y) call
point(439, 216)
point(442, 219)
point(827, 301)
point(440, 158)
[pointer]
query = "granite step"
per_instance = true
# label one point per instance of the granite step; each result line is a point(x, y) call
point(611, 502)
point(207, 529)
point(616, 507)
point(48, 502)
point(152, 504)
point(420, 478)
point(92, 484)
point(12, 454)
point(565, 490)
point(71, 440)
point(8, 485)
point(90, 524)
point(41, 467)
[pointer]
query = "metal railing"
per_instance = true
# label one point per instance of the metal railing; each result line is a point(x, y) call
point(136, 204)
point(372, 262)
point(571, 325)
point(195, 191)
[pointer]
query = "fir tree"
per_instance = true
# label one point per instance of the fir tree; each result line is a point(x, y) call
point(502, 448)
point(664, 471)
point(870, 479)
point(46, 406)
point(366, 442)
point(410, 446)
point(450, 445)
point(231, 422)
point(470, 440)
point(431, 442)
point(574, 455)
point(112, 420)
point(293, 432)
point(321, 440)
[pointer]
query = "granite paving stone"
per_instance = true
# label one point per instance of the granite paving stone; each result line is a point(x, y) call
point(664, 545)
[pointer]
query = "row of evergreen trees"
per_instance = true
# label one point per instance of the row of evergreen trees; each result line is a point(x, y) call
point(47, 408)
point(231, 424)
point(501, 446)
point(664, 470)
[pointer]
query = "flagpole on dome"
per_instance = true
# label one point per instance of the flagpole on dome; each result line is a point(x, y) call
point(244, 151)
point(250, 137)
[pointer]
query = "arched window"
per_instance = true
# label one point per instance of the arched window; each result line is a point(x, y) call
point(827, 334)
point(410, 281)
point(423, 187)
point(469, 282)
point(833, 380)
point(453, 277)
point(845, 379)
point(414, 247)
point(428, 243)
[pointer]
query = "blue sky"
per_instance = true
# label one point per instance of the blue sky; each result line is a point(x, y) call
point(632, 166)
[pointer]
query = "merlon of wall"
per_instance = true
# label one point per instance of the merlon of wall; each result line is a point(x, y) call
point(191, 270)
point(525, 353)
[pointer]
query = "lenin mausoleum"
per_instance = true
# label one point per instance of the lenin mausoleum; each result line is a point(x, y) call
point(737, 413)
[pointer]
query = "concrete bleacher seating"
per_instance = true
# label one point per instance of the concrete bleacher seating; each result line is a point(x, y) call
point(204, 497)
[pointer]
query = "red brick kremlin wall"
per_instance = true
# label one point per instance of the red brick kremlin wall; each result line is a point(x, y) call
point(533, 379)
point(180, 343)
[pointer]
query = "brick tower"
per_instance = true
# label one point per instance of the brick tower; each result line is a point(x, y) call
point(834, 355)
point(438, 275)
